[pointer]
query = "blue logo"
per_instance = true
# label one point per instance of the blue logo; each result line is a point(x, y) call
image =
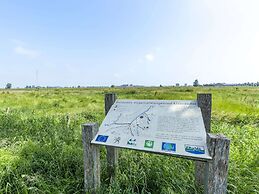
point(170, 147)
point(194, 149)
point(102, 138)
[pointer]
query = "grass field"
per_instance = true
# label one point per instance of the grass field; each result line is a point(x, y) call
point(41, 148)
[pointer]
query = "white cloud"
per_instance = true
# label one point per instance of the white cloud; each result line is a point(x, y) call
point(26, 52)
point(149, 57)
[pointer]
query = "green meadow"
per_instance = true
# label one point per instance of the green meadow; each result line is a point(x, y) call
point(41, 143)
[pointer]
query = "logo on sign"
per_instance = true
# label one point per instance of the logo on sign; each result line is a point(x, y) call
point(149, 144)
point(194, 149)
point(101, 138)
point(116, 140)
point(132, 142)
point(170, 147)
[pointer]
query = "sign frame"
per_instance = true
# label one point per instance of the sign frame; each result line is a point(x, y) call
point(212, 175)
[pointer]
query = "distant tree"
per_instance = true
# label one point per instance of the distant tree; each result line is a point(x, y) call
point(160, 85)
point(8, 86)
point(112, 86)
point(196, 83)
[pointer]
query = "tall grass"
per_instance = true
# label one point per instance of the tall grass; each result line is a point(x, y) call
point(41, 149)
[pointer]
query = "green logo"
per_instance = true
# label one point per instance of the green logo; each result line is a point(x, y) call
point(149, 144)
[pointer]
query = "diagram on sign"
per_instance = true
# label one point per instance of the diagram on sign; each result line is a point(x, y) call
point(136, 124)
point(162, 126)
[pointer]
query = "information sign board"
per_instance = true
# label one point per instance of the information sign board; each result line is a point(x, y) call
point(162, 126)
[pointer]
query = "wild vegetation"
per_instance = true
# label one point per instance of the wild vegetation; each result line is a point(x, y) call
point(41, 148)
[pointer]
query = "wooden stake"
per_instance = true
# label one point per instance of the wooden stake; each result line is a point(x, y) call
point(91, 158)
point(217, 170)
point(112, 153)
point(204, 102)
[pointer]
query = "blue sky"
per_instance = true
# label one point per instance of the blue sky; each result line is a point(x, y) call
point(145, 42)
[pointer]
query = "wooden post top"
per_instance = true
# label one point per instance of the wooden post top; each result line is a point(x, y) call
point(88, 124)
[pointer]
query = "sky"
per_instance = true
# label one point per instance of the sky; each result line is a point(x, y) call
point(141, 42)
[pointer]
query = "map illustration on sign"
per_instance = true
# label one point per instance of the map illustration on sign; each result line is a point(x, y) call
point(134, 124)
point(162, 126)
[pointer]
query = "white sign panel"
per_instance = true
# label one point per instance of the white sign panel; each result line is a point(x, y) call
point(163, 126)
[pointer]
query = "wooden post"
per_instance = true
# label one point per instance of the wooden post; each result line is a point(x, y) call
point(91, 158)
point(112, 153)
point(217, 170)
point(204, 102)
